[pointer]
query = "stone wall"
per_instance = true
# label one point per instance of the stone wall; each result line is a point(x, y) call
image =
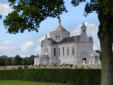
point(68, 66)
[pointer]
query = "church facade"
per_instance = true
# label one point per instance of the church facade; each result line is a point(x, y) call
point(61, 48)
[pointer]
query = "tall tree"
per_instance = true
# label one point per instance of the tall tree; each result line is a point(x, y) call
point(17, 60)
point(8, 61)
point(2, 60)
point(0, 16)
point(28, 14)
point(104, 9)
point(32, 59)
point(26, 61)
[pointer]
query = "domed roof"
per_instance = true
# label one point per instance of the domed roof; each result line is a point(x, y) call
point(60, 28)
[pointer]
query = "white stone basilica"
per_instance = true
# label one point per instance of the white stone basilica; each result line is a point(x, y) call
point(61, 48)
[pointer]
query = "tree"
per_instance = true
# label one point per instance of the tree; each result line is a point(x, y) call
point(32, 59)
point(2, 60)
point(8, 61)
point(28, 14)
point(17, 60)
point(27, 61)
point(0, 16)
point(104, 8)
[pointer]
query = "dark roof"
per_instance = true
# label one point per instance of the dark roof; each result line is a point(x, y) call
point(53, 42)
point(65, 40)
point(68, 39)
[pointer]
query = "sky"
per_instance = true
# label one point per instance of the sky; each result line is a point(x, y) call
point(28, 43)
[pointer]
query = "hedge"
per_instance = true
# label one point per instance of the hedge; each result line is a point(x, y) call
point(70, 76)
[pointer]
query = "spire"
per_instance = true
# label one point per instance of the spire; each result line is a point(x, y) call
point(83, 29)
point(59, 20)
point(83, 23)
point(83, 26)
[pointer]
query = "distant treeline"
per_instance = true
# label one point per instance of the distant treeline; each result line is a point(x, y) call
point(17, 60)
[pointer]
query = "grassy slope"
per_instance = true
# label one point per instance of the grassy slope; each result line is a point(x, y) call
point(19, 82)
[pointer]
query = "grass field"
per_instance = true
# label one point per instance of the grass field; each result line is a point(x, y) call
point(19, 82)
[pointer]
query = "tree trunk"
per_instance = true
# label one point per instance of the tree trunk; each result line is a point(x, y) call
point(107, 58)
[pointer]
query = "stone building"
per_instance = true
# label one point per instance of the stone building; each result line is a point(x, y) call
point(61, 48)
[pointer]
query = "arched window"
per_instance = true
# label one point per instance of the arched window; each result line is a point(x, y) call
point(54, 51)
point(73, 51)
point(46, 51)
point(67, 50)
point(56, 37)
point(59, 51)
point(63, 50)
point(59, 37)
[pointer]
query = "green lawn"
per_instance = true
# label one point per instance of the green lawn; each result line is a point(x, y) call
point(19, 82)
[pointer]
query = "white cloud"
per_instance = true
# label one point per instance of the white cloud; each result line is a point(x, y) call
point(4, 45)
point(5, 9)
point(95, 47)
point(3, 48)
point(7, 42)
point(28, 48)
point(40, 40)
point(8, 48)
point(26, 45)
point(92, 30)
point(12, 49)
point(38, 49)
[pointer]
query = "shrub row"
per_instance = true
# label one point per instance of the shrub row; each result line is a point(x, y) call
point(71, 76)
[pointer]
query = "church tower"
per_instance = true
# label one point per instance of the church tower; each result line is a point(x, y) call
point(83, 30)
point(83, 35)
point(59, 33)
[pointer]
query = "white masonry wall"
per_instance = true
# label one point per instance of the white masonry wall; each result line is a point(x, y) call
point(36, 61)
point(67, 59)
point(83, 50)
point(59, 35)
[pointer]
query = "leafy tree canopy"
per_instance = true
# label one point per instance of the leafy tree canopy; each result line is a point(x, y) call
point(0, 16)
point(28, 14)
point(106, 6)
